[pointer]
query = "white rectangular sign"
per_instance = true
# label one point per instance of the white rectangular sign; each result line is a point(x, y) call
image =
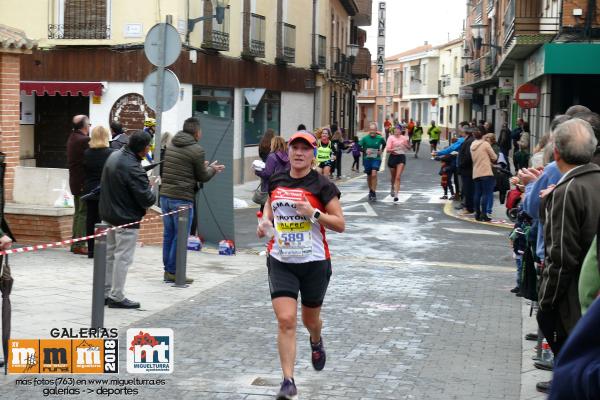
point(381, 39)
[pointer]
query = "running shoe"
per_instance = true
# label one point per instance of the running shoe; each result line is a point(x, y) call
point(395, 199)
point(392, 193)
point(318, 357)
point(288, 390)
point(444, 197)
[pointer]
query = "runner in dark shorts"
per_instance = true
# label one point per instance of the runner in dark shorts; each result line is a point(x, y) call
point(396, 147)
point(302, 204)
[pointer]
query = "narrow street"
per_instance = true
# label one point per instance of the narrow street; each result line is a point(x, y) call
point(418, 308)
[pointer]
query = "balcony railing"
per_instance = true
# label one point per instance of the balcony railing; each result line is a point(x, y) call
point(336, 62)
point(78, 31)
point(321, 42)
point(415, 87)
point(362, 64)
point(79, 20)
point(254, 46)
point(287, 51)
point(526, 17)
point(216, 36)
point(367, 93)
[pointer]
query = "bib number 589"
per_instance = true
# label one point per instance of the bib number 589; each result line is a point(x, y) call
point(292, 237)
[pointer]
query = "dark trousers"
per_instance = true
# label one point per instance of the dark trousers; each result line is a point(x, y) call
point(506, 152)
point(456, 181)
point(552, 329)
point(484, 191)
point(338, 164)
point(356, 162)
point(468, 190)
point(92, 218)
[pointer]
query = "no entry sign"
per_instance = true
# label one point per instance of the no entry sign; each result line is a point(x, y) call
point(528, 96)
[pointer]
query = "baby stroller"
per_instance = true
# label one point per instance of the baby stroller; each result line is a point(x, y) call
point(513, 199)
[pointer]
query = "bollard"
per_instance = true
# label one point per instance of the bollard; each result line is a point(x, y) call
point(99, 278)
point(183, 218)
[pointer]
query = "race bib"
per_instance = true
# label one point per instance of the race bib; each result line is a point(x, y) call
point(372, 153)
point(294, 238)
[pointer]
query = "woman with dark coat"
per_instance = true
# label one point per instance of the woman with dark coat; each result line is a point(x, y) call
point(93, 163)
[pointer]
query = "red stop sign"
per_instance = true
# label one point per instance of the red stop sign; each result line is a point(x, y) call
point(528, 96)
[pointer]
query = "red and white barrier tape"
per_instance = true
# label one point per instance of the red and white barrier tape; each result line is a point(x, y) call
point(37, 247)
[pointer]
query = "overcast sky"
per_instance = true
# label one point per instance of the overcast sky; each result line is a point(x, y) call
point(409, 23)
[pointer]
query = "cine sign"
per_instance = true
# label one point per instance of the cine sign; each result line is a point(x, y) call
point(381, 39)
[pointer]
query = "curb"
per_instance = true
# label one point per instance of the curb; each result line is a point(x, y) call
point(448, 210)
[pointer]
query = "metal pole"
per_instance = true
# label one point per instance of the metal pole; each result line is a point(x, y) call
point(183, 218)
point(159, 98)
point(99, 277)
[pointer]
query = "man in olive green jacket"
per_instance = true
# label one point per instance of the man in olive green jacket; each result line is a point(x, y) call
point(184, 168)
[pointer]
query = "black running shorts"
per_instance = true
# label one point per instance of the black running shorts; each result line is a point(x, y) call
point(396, 159)
point(328, 163)
point(310, 279)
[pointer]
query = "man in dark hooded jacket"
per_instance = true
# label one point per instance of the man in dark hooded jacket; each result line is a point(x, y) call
point(184, 168)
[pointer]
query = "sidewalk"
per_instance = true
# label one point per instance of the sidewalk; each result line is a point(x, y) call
point(530, 375)
point(499, 217)
point(53, 288)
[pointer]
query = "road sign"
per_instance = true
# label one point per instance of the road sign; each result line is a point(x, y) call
point(170, 94)
point(381, 39)
point(528, 96)
point(162, 35)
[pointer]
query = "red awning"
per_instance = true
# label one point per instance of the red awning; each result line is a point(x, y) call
point(63, 88)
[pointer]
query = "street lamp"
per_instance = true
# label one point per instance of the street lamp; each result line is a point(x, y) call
point(352, 51)
point(477, 34)
point(219, 16)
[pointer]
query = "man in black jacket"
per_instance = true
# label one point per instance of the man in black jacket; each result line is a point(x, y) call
point(465, 170)
point(126, 194)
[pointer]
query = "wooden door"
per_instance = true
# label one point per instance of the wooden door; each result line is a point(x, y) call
point(53, 126)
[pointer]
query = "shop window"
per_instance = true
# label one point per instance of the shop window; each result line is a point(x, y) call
point(211, 101)
point(266, 115)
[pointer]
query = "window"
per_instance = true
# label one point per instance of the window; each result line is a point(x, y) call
point(388, 82)
point(217, 102)
point(450, 114)
point(424, 74)
point(397, 81)
point(441, 115)
point(77, 19)
point(406, 76)
point(266, 115)
point(455, 66)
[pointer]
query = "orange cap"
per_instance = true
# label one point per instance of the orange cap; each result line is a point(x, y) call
point(307, 137)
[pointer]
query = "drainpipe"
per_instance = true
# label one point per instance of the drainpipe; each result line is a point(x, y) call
point(560, 22)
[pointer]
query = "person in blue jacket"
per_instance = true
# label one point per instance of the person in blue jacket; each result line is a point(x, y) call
point(577, 369)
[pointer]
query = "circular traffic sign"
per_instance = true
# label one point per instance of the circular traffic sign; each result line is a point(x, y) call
point(166, 36)
point(170, 90)
point(528, 96)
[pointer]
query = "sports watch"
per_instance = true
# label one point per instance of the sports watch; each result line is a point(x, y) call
point(316, 214)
